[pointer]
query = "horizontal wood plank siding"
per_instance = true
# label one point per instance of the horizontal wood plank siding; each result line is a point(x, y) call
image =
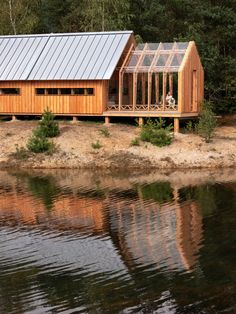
point(30, 103)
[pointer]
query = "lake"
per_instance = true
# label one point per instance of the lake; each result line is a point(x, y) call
point(90, 242)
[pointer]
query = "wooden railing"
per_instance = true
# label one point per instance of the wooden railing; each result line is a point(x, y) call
point(111, 106)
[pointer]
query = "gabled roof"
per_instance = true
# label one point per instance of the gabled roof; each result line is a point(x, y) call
point(76, 56)
point(157, 57)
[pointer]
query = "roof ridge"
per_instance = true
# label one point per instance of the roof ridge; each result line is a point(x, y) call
point(67, 34)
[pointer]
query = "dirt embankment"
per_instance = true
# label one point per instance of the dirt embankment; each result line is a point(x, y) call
point(75, 148)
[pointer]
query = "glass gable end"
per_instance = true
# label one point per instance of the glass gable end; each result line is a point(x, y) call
point(157, 57)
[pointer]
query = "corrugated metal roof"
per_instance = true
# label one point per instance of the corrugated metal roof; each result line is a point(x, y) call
point(76, 56)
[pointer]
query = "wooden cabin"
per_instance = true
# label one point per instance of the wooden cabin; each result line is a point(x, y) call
point(99, 74)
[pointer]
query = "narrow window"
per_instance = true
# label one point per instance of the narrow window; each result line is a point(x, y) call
point(52, 91)
point(40, 91)
point(89, 91)
point(9, 91)
point(65, 91)
point(79, 91)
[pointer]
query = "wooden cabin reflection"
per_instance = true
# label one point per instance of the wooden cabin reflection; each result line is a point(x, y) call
point(144, 231)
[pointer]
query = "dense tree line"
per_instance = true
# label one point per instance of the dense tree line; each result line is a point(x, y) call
point(211, 23)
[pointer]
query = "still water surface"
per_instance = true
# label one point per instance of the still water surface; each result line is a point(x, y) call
point(80, 242)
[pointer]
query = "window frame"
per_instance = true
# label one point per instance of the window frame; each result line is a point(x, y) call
point(17, 88)
point(65, 95)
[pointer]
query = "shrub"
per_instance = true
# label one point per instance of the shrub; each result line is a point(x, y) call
point(21, 153)
point(48, 127)
point(155, 133)
point(96, 145)
point(190, 127)
point(105, 132)
point(207, 122)
point(135, 142)
point(40, 144)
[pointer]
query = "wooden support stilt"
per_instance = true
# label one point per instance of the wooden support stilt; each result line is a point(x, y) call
point(74, 120)
point(107, 120)
point(176, 125)
point(140, 121)
point(143, 88)
point(164, 90)
point(14, 119)
point(156, 88)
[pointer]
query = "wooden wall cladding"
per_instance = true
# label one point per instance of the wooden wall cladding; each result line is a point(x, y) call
point(30, 103)
point(191, 82)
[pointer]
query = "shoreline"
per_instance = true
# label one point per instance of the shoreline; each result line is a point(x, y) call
point(74, 149)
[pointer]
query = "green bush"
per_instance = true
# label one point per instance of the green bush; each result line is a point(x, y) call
point(105, 132)
point(96, 145)
point(40, 144)
point(207, 122)
point(48, 127)
point(155, 133)
point(135, 142)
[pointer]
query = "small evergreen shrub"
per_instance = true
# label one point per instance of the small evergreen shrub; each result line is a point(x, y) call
point(48, 127)
point(96, 145)
point(207, 122)
point(155, 133)
point(190, 127)
point(135, 142)
point(40, 144)
point(105, 132)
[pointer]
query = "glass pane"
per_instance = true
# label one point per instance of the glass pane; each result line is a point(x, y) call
point(161, 61)
point(167, 46)
point(152, 46)
point(52, 91)
point(89, 91)
point(140, 47)
point(40, 91)
point(177, 60)
point(147, 61)
point(182, 46)
point(134, 60)
point(10, 91)
point(65, 91)
point(78, 91)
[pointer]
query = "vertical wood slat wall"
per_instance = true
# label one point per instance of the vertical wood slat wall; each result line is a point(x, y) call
point(186, 94)
point(30, 103)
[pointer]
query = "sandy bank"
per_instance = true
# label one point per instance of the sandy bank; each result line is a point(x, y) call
point(116, 153)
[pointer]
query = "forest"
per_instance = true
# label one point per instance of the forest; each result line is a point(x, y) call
point(210, 23)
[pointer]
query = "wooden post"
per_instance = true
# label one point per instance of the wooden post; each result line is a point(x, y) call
point(157, 88)
point(143, 88)
point(176, 125)
point(140, 121)
point(134, 90)
point(130, 88)
point(107, 120)
point(149, 90)
point(14, 119)
point(75, 120)
point(164, 91)
point(171, 83)
point(121, 80)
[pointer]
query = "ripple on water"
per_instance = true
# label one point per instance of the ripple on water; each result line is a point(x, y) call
point(74, 245)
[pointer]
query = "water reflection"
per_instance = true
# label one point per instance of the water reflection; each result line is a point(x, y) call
point(99, 244)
